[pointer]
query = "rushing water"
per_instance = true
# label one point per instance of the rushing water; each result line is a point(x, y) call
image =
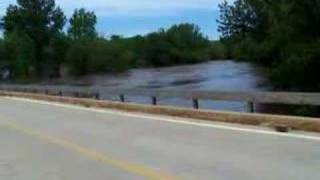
point(224, 75)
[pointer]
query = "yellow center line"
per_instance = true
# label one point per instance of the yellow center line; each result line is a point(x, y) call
point(92, 154)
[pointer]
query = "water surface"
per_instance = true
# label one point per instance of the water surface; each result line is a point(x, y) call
point(223, 75)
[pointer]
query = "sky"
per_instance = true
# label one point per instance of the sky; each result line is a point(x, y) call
point(132, 17)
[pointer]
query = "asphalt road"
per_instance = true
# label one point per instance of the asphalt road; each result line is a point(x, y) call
point(45, 141)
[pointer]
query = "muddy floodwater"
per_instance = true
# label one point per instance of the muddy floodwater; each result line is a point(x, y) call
point(223, 75)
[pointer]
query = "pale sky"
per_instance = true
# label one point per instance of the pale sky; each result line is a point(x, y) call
point(131, 17)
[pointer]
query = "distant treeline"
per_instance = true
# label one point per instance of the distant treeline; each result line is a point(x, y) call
point(35, 45)
point(283, 35)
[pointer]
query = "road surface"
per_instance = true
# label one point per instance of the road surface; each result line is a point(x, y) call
point(59, 142)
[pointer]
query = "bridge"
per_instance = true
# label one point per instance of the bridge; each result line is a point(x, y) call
point(59, 132)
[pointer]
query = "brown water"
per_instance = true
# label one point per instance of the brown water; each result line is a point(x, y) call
point(223, 75)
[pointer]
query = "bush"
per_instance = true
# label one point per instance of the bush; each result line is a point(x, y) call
point(97, 56)
point(56, 54)
point(18, 55)
point(217, 51)
point(107, 56)
point(300, 71)
point(2, 54)
point(180, 44)
point(78, 57)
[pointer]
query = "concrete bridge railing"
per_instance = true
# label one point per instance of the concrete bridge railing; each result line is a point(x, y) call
point(251, 98)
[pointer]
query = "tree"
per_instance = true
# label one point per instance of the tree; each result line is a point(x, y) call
point(180, 44)
point(2, 54)
point(237, 19)
point(38, 19)
point(78, 57)
point(82, 25)
point(56, 53)
point(83, 33)
point(283, 34)
point(18, 54)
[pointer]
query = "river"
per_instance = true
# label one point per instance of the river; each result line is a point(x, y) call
point(224, 75)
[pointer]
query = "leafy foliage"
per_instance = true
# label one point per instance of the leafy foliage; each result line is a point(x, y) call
point(82, 25)
point(18, 53)
point(40, 20)
point(283, 34)
point(35, 46)
point(180, 44)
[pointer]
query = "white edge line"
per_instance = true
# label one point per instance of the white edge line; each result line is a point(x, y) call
point(176, 121)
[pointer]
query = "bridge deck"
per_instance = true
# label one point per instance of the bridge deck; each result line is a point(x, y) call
point(43, 141)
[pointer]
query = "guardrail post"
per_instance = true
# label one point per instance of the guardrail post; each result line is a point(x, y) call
point(195, 103)
point(251, 108)
point(122, 98)
point(97, 96)
point(154, 100)
point(76, 94)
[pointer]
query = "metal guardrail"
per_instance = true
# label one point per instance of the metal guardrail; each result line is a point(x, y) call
point(252, 98)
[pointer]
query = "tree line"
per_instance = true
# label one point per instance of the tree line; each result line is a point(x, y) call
point(36, 44)
point(282, 35)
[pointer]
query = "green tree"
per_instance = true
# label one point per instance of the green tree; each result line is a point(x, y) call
point(2, 54)
point(284, 35)
point(82, 25)
point(18, 53)
point(238, 19)
point(157, 49)
point(110, 56)
point(188, 44)
point(38, 19)
point(78, 57)
point(99, 55)
point(83, 34)
point(180, 44)
point(56, 54)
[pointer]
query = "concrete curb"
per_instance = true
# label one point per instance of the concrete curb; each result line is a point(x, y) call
point(273, 121)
